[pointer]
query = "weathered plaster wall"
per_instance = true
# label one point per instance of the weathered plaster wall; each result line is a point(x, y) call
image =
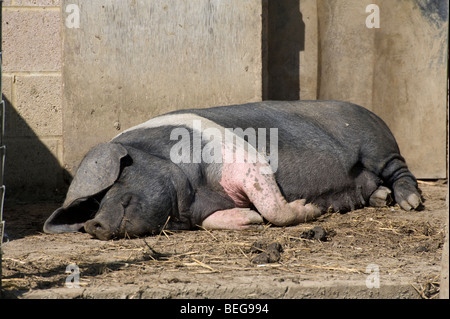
point(132, 60)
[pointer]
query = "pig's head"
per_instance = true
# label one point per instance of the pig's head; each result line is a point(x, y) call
point(122, 192)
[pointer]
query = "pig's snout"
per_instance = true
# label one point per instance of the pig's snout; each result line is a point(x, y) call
point(98, 229)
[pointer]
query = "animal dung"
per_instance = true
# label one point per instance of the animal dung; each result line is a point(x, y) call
point(267, 253)
point(315, 233)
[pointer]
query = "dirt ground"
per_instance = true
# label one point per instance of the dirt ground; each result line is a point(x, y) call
point(367, 253)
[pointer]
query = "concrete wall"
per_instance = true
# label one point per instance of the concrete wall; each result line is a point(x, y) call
point(323, 49)
point(132, 59)
point(399, 70)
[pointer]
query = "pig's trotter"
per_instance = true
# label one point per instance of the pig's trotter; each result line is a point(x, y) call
point(406, 193)
point(305, 213)
point(381, 197)
point(264, 193)
point(234, 219)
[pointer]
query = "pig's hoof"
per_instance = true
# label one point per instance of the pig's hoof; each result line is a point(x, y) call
point(381, 197)
point(406, 194)
point(411, 202)
point(305, 213)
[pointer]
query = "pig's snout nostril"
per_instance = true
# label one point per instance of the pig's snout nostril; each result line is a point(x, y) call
point(97, 226)
point(93, 225)
point(98, 229)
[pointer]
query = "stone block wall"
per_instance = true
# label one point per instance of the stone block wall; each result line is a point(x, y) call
point(32, 90)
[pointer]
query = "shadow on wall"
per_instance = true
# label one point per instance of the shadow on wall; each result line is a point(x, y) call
point(285, 40)
point(32, 172)
point(435, 11)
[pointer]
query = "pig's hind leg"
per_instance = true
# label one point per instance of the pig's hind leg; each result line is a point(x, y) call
point(381, 197)
point(403, 184)
point(407, 194)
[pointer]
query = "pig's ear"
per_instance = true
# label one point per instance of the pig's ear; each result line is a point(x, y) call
point(71, 219)
point(99, 169)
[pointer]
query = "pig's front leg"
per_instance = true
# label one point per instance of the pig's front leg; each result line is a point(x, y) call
point(234, 219)
point(262, 190)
